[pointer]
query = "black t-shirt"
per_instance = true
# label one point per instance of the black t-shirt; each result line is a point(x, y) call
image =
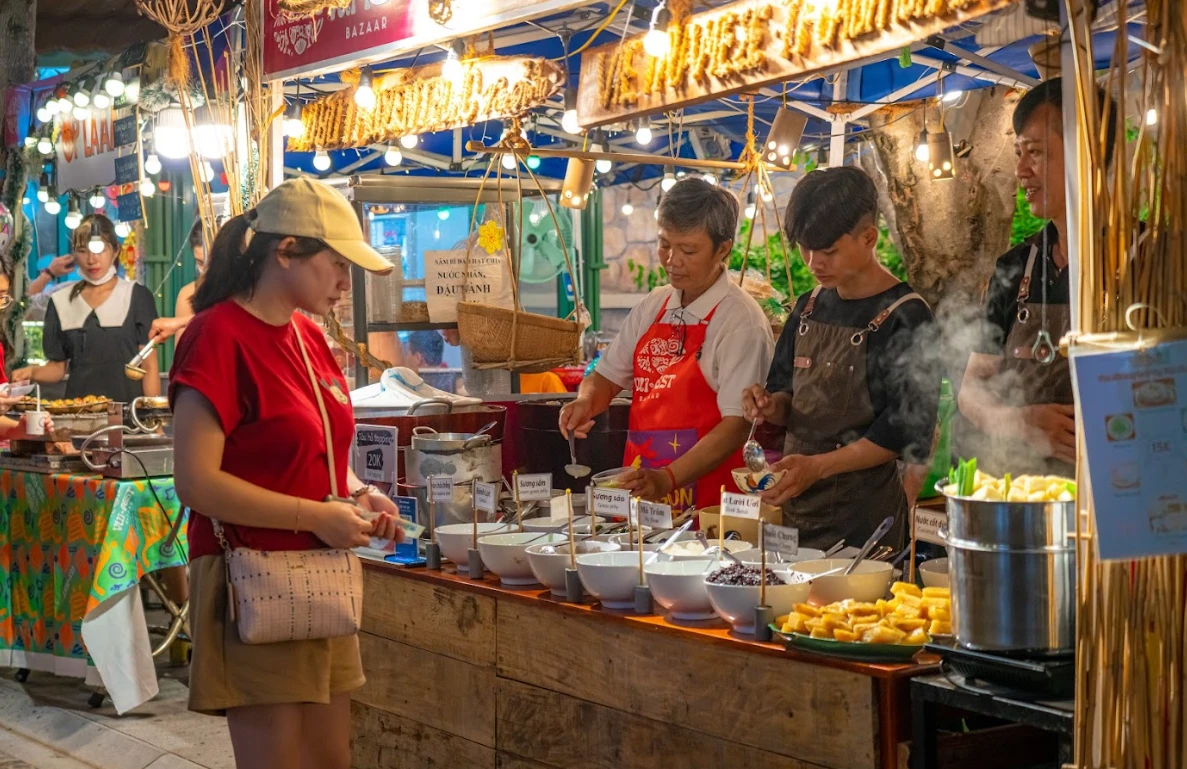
point(1001, 297)
point(903, 377)
point(97, 351)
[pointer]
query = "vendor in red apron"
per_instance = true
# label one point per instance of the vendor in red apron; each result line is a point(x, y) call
point(855, 376)
point(687, 351)
point(1016, 403)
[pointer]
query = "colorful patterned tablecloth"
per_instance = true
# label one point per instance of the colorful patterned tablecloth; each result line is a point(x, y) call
point(69, 543)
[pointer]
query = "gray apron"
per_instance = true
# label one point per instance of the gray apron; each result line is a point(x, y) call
point(831, 408)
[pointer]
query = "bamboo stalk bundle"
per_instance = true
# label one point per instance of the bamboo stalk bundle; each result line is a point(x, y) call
point(1132, 616)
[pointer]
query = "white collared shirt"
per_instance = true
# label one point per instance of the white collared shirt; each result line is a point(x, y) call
point(738, 343)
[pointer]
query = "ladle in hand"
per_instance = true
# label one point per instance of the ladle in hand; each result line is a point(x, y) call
point(574, 469)
point(752, 452)
point(132, 368)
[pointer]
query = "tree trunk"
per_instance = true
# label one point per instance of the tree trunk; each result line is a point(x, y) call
point(18, 60)
point(18, 64)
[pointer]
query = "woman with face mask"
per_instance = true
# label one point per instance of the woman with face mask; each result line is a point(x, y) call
point(98, 325)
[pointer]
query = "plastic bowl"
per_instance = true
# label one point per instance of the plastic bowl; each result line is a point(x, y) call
point(549, 568)
point(456, 539)
point(934, 573)
point(679, 587)
point(736, 603)
point(756, 483)
point(611, 577)
point(868, 583)
point(504, 554)
point(606, 478)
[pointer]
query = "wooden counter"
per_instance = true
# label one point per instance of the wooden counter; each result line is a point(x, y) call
point(464, 673)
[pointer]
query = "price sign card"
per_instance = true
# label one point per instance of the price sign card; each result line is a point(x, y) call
point(441, 488)
point(928, 525)
point(375, 453)
point(536, 487)
point(740, 505)
point(615, 503)
point(784, 540)
point(486, 497)
point(408, 507)
point(655, 515)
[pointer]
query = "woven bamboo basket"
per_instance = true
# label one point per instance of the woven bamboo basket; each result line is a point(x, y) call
point(541, 342)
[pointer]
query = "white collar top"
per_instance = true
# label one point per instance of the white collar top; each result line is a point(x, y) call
point(73, 313)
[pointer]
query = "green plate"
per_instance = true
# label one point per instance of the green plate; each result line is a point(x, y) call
point(858, 651)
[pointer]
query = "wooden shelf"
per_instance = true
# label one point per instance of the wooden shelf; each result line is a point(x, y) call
point(397, 326)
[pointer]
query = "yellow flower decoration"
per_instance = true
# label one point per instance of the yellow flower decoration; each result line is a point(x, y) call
point(490, 237)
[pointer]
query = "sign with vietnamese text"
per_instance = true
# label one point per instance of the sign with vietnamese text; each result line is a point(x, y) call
point(441, 488)
point(615, 503)
point(485, 276)
point(486, 497)
point(931, 525)
point(536, 487)
point(784, 540)
point(655, 515)
point(738, 505)
point(375, 453)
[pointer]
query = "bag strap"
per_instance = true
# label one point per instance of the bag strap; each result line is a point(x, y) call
point(325, 423)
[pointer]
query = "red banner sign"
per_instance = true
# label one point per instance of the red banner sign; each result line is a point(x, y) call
point(366, 31)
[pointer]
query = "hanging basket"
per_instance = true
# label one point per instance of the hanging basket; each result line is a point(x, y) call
point(541, 342)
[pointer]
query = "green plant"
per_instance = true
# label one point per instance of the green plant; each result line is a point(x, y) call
point(1025, 223)
point(646, 279)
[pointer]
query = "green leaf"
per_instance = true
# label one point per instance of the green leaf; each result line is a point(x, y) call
point(904, 57)
point(1071, 487)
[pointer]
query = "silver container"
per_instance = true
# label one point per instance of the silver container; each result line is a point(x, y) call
point(465, 457)
point(1012, 570)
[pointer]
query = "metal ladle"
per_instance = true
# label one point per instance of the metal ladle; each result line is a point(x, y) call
point(132, 368)
point(574, 469)
point(723, 552)
point(752, 452)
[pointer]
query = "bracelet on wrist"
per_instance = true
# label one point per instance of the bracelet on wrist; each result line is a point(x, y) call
point(362, 492)
point(671, 478)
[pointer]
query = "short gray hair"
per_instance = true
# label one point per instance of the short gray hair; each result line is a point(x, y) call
point(694, 204)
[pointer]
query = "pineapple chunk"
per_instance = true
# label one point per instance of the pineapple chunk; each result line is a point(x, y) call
point(821, 633)
point(844, 635)
point(940, 627)
point(909, 600)
point(796, 623)
point(917, 637)
point(942, 613)
point(906, 588)
point(884, 607)
point(908, 612)
point(884, 635)
point(908, 625)
point(860, 628)
point(937, 592)
point(806, 609)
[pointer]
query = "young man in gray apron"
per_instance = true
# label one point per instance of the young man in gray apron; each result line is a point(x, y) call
point(1016, 399)
point(852, 378)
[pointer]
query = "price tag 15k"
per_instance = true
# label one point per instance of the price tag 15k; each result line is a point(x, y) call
point(740, 505)
point(486, 497)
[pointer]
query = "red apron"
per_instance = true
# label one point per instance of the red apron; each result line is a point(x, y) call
point(674, 407)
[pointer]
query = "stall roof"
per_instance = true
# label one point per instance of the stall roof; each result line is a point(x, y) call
point(89, 26)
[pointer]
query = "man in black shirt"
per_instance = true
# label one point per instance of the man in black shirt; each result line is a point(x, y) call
point(1017, 390)
point(851, 377)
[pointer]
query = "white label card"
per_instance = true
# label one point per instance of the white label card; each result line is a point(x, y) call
point(740, 505)
point(929, 523)
point(486, 496)
point(612, 502)
point(655, 515)
point(784, 540)
point(441, 488)
point(536, 487)
point(375, 453)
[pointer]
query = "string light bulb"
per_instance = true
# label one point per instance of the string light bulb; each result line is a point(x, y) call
point(643, 135)
point(53, 206)
point(152, 164)
point(81, 113)
point(392, 156)
point(922, 154)
point(452, 69)
point(569, 122)
point(321, 160)
point(52, 106)
point(64, 105)
point(442, 213)
point(950, 97)
point(409, 141)
point(73, 215)
point(508, 161)
point(656, 42)
point(82, 97)
point(602, 165)
point(101, 100)
point(627, 209)
point(95, 244)
point(97, 199)
point(122, 230)
point(668, 182)
point(114, 84)
point(45, 145)
point(1151, 116)
point(43, 189)
point(43, 114)
point(364, 94)
point(147, 188)
point(533, 162)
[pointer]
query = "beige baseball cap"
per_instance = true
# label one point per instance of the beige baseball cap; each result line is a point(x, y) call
point(310, 209)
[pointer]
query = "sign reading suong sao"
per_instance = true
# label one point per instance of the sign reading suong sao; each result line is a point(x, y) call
point(366, 30)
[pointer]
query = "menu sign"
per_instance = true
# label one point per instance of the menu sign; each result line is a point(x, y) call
point(740, 505)
point(536, 487)
point(615, 503)
point(486, 497)
point(1134, 409)
point(929, 523)
point(781, 539)
point(441, 488)
point(86, 150)
point(484, 276)
point(375, 453)
point(655, 515)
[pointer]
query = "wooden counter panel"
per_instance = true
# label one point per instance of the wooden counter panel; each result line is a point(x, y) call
point(512, 761)
point(382, 740)
point(816, 714)
point(565, 732)
point(428, 688)
point(442, 619)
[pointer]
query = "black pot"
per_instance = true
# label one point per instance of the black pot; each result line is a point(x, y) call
point(542, 449)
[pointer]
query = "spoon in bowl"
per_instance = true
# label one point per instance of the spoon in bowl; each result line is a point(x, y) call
point(709, 549)
point(574, 469)
point(752, 452)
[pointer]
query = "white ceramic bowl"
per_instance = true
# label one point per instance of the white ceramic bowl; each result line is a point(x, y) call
point(756, 483)
point(456, 539)
point(611, 577)
point(683, 550)
point(754, 556)
point(679, 587)
point(736, 603)
point(549, 568)
point(504, 554)
point(624, 540)
point(868, 583)
point(580, 524)
point(934, 573)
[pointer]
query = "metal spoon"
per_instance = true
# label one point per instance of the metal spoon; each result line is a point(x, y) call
point(722, 551)
point(651, 558)
point(878, 534)
point(132, 368)
point(752, 453)
point(574, 469)
point(834, 549)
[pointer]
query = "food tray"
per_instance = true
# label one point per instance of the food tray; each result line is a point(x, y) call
point(88, 405)
point(860, 651)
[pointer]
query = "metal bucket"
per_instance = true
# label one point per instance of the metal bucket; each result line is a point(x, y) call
point(1012, 569)
point(463, 457)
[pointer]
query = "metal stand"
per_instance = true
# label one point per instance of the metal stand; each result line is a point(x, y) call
point(474, 563)
point(573, 592)
point(433, 556)
point(643, 600)
point(763, 617)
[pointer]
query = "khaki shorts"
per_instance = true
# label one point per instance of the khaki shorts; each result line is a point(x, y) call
point(226, 673)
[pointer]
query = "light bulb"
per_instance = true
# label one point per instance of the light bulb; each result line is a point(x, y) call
point(533, 162)
point(64, 106)
point(1151, 116)
point(45, 146)
point(42, 195)
point(293, 126)
point(53, 207)
point(97, 200)
point(73, 218)
point(43, 115)
point(132, 90)
point(627, 209)
point(668, 182)
point(442, 213)
point(114, 84)
point(81, 113)
point(364, 94)
point(766, 195)
point(643, 133)
point(602, 165)
point(101, 100)
point(393, 156)
point(452, 70)
point(25, 200)
point(152, 164)
point(656, 42)
point(922, 153)
point(123, 230)
point(96, 245)
point(508, 161)
point(954, 95)
point(82, 97)
point(30, 141)
point(52, 107)
point(409, 141)
point(147, 188)
point(569, 122)
point(321, 161)
point(750, 210)
point(710, 178)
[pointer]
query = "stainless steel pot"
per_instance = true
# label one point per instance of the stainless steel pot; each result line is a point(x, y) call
point(1012, 570)
point(465, 457)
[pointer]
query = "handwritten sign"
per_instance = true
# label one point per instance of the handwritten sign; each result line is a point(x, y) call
point(441, 488)
point(485, 275)
point(928, 525)
point(127, 169)
point(615, 503)
point(655, 515)
point(130, 207)
point(740, 505)
point(784, 540)
point(124, 131)
point(536, 487)
point(486, 497)
point(375, 453)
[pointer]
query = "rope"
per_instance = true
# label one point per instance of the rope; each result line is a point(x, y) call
point(601, 28)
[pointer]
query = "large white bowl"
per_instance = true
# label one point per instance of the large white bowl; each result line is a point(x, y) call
point(679, 587)
point(868, 583)
point(934, 573)
point(580, 524)
point(549, 568)
point(736, 603)
point(504, 554)
point(611, 577)
point(696, 552)
point(456, 539)
point(754, 555)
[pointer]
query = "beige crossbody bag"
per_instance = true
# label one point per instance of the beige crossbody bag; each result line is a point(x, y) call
point(295, 595)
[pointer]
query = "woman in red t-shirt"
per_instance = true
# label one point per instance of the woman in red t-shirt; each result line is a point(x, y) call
point(250, 451)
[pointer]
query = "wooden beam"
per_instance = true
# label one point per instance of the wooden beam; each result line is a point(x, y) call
point(623, 157)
